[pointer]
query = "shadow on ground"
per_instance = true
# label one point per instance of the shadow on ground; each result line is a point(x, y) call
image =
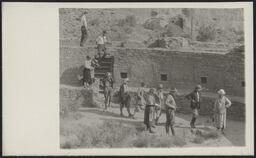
point(70, 76)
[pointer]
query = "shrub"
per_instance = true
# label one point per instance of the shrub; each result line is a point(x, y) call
point(206, 33)
point(129, 20)
point(198, 140)
point(95, 22)
point(148, 140)
point(153, 13)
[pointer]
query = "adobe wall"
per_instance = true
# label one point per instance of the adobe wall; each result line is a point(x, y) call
point(183, 69)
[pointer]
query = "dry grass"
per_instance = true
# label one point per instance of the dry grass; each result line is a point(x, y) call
point(203, 136)
point(147, 140)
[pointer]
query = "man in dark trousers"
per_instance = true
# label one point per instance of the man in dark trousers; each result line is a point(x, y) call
point(84, 29)
point(195, 100)
point(108, 88)
point(170, 111)
point(125, 98)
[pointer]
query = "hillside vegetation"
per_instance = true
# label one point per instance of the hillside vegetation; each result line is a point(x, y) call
point(141, 27)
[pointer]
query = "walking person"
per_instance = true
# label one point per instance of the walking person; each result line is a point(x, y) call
point(195, 100)
point(170, 111)
point(159, 101)
point(87, 71)
point(84, 29)
point(125, 98)
point(101, 42)
point(108, 88)
point(140, 100)
point(220, 110)
point(149, 110)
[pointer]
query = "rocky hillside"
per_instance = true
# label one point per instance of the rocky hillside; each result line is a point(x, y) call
point(141, 27)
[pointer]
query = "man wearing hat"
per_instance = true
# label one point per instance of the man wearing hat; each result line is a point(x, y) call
point(195, 100)
point(125, 98)
point(84, 29)
point(101, 42)
point(159, 101)
point(108, 87)
point(140, 100)
point(219, 110)
point(170, 110)
point(149, 110)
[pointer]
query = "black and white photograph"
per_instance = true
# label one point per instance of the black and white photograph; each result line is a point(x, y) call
point(151, 77)
point(127, 79)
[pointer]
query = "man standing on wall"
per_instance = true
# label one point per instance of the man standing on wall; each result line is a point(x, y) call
point(125, 98)
point(108, 87)
point(101, 42)
point(84, 29)
point(195, 98)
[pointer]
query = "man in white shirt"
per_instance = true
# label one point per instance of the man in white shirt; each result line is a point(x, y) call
point(84, 29)
point(101, 42)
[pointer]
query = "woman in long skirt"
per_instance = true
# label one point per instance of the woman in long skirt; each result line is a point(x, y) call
point(219, 110)
point(149, 110)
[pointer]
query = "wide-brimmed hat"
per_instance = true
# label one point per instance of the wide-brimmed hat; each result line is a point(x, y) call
point(126, 80)
point(104, 31)
point(160, 86)
point(152, 90)
point(173, 90)
point(199, 87)
point(108, 73)
point(221, 91)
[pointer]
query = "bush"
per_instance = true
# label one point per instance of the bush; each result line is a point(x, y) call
point(206, 33)
point(109, 134)
point(95, 22)
point(198, 140)
point(129, 20)
point(153, 13)
point(147, 140)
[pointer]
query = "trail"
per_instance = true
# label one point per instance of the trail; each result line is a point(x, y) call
point(98, 115)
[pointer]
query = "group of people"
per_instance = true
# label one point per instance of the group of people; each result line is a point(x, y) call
point(154, 102)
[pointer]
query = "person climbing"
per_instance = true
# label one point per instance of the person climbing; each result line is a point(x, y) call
point(195, 101)
point(219, 110)
point(170, 111)
point(149, 110)
point(94, 64)
point(140, 100)
point(159, 101)
point(84, 29)
point(108, 88)
point(125, 98)
point(87, 71)
point(101, 42)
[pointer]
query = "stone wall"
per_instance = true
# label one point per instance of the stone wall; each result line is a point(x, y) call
point(183, 69)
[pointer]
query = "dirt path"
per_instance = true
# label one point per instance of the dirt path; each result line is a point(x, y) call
point(182, 128)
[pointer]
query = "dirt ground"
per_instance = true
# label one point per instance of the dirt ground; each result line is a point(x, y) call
point(235, 131)
point(72, 127)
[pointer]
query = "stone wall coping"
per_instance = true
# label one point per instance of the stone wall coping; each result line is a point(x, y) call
point(180, 91)
point(183, 50)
